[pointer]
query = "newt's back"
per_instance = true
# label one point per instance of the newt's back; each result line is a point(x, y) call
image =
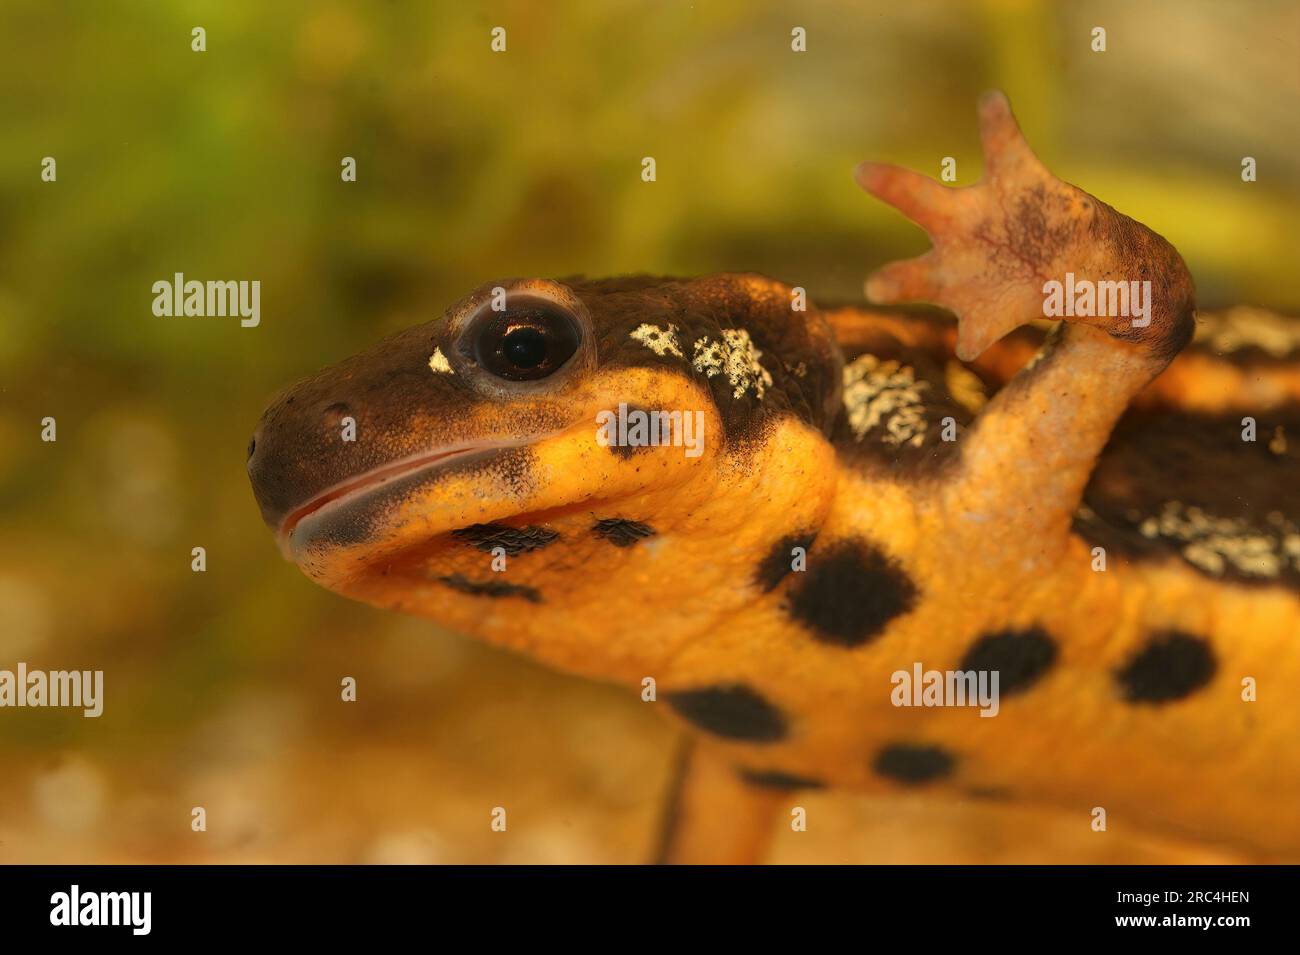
point(1131, 668)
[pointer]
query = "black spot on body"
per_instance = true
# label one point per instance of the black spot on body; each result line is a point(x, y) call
point(1021, 657)
point(851, 594)
point(774, 567)
point(733, 712)
point(913, 764)
point(1170, 666)
point(490, 588)
point(775, 779)
point(621, 532)
point(514, 540)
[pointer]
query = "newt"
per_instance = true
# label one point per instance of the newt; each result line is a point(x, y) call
point(1105, 514)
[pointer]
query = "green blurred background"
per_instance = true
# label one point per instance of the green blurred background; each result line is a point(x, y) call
point(222, 687)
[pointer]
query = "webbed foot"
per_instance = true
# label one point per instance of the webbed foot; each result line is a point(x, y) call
point(999, 243)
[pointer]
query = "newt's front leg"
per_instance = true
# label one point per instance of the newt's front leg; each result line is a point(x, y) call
point(1012, 248)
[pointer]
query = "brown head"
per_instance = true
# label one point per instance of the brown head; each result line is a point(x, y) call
point(463, 469)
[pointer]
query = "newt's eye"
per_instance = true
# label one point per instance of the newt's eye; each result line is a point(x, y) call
point(527, 341)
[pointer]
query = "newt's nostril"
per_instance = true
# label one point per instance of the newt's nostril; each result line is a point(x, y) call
point(252, 446)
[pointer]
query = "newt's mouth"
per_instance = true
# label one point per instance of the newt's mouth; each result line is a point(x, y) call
point(372, 482)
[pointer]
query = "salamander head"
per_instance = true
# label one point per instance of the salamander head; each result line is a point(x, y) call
point(394, 476)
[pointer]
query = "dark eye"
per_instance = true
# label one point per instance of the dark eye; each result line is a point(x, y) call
point(527, 341)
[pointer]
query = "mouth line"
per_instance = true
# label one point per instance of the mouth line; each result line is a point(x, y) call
point(362, 484)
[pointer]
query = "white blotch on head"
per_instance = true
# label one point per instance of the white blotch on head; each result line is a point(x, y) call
point(885, 395)
point(737, 358)
point(438, 362)
point(661, 341)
